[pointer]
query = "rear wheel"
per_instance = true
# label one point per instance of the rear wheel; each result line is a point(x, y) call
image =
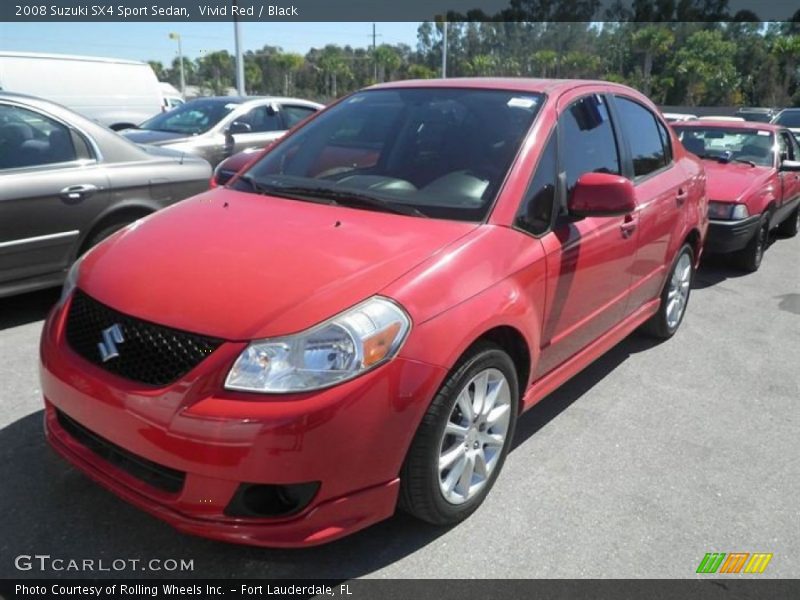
point(461, 444)
point(791, 225)
point(105, 231)
point(674, 297)
point(751, 256)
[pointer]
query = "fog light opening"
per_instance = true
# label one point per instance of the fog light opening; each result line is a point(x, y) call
point(268, 500)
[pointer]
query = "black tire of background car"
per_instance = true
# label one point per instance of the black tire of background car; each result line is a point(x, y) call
point(750, 257)
point(791, 225)
point(104, 232)
point(657, 326)
point(420, 495)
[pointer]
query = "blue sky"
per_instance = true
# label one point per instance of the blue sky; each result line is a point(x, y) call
point(150, 41)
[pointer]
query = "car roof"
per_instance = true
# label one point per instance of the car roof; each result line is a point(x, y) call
point(254, 99)
point(77, 57)
point(745, 125)
point(521, 84)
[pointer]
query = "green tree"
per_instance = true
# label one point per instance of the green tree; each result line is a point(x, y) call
point(216, 71)
point(289, 64)
point(158, 69)
point(651, 42)
point(388, 61)
point(787, 50)
point(704, 65)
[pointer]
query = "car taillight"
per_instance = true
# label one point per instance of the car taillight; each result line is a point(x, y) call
point(213, 183)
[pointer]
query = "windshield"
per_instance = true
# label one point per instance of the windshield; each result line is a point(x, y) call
point(788, 118)
point(433, 152)
point(728, 144)
point(192, 118)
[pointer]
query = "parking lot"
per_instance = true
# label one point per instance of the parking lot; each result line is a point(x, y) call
point(653, 456)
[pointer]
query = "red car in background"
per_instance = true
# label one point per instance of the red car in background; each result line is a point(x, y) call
point(753, 174)
point(355, 322)
point(225, 170)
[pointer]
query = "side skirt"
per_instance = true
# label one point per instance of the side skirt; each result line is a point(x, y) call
point(574, 365)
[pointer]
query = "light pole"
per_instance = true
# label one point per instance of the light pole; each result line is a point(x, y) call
point(176, 36)
point(237, 33)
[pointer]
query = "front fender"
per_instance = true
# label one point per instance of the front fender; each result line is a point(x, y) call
point(442, 340)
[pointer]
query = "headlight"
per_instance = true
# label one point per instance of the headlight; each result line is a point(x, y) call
point(71, 280)
point(726, 211)
point(334, 351)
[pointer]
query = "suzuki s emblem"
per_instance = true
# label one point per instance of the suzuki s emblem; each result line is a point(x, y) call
point(108, 347)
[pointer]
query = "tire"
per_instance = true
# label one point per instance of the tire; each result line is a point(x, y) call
point(791, 225)
point(422, 483)
point(677, 288)
point(750, 257)
point(102, 233)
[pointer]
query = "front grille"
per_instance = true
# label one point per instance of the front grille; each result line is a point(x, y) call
point(155, 475)
point(149, 353)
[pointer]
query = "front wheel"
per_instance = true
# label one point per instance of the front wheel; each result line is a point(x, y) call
point(674, 297)
point(462, 442)
point(751, 256)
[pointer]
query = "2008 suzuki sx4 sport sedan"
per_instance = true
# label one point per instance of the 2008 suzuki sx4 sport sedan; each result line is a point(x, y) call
point(356, 321)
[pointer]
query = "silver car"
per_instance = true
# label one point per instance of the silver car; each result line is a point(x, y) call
point(67, 182)
point(217, 127)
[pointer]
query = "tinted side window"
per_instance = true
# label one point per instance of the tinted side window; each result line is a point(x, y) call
point(295, 114)
point(794, 147)
point(29, 139)
point(589, 144)
point(537, 206)
point(640, 127)
point(260, 120)
point(785, 150)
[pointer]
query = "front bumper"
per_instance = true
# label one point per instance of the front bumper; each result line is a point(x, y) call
point(351, 439)
point(730, 236)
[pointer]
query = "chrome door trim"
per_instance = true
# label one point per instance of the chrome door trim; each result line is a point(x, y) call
point(40, 238)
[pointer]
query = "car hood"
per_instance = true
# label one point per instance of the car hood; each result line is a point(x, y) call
point(157, 138)
point(240, 266)
point(733, 181)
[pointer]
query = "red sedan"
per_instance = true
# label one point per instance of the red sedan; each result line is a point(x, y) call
point(356, 321)
point(753, 174)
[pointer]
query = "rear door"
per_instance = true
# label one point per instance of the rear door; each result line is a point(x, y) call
point(661, 190)
point(588, 259)
point(50, 186)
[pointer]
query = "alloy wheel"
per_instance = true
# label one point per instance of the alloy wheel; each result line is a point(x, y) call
point(474, 436)
point(678, 293)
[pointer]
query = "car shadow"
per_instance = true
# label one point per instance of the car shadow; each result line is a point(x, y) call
point(27, 308)
point(558, 401)
point(714, 269)
point(48, 507)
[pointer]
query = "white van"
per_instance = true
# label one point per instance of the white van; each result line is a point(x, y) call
point(116, 93)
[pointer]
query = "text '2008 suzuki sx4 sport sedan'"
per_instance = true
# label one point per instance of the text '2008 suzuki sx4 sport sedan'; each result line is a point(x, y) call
point(355, 322)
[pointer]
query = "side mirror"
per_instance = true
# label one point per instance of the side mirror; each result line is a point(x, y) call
point(239, 127)
point(790, 165)
point(602, 195)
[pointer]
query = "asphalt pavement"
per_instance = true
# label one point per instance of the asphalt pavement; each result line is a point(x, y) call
point(653, 456)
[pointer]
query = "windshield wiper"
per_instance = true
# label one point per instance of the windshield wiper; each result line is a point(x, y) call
point(723, 159)
point(333, 196)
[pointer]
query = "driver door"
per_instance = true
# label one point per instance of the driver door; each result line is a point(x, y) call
point(255, 129)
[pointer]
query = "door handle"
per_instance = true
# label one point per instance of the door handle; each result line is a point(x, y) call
point(628, 226)
point(681, 196)
point(78, 192)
